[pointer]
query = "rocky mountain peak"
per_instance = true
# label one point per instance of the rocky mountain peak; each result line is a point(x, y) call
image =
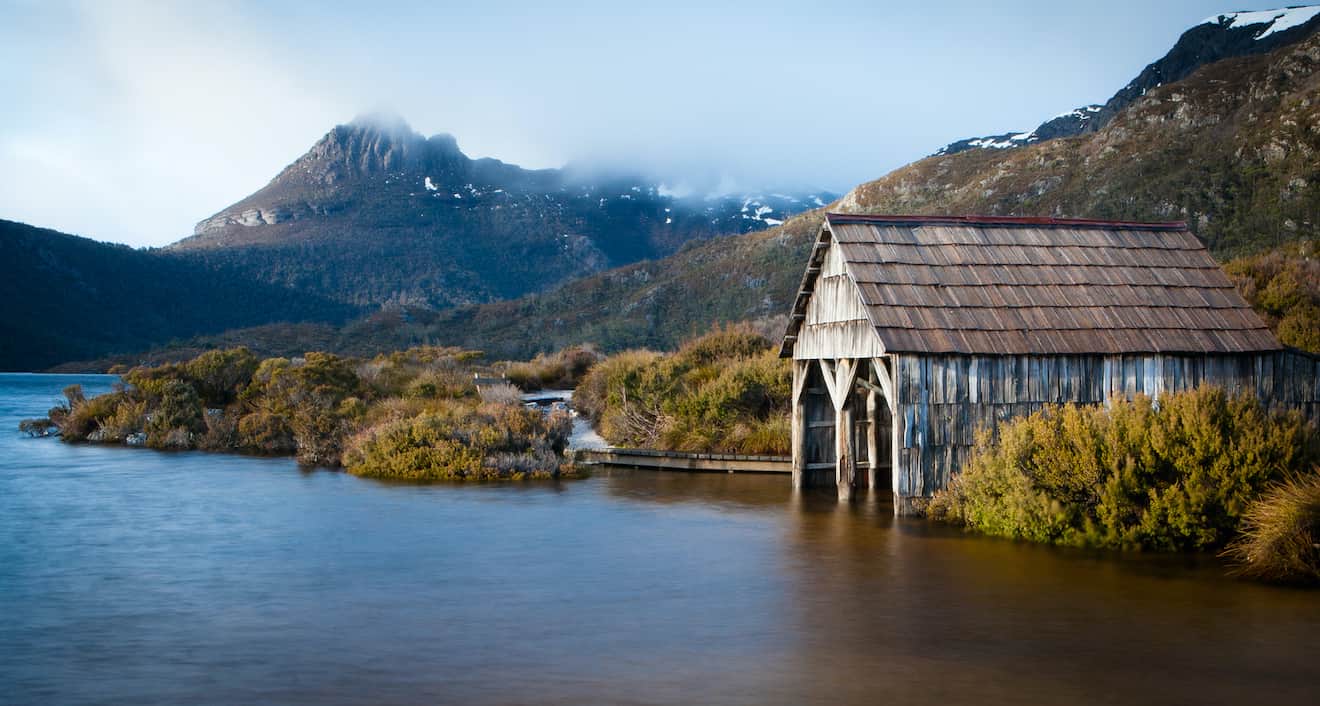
point(375, 145)
point(1215, 38)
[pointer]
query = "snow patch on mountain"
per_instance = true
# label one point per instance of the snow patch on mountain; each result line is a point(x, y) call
point(1277, 20)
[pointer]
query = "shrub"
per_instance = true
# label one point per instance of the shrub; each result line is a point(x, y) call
point(440, 384)
point(1176, 477)
point(80, 416)
point(1283, 285)
point(220, 375)
point(461, 442)
point(561, 370)
point(37, 427)
point(313, 401)
point(266, 433)
point(723, 343)
point(607, 386)
point(217, 376)
point(222, 432)
point(129, 417)
point(1280, 538)
point(724, 392)
point(501, 394)
point(390, 375)
point(175, 416)
point(431, 423)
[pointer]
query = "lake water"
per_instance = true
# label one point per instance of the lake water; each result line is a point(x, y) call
point(134, 577)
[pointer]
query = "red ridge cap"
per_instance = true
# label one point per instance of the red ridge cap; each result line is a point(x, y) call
point(1001, 221)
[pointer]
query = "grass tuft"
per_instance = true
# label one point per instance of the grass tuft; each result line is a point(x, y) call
point(1280, 540)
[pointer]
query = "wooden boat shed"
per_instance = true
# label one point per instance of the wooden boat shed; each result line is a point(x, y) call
point(911, 333)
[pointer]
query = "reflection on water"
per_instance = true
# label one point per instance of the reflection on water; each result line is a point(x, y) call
point(134, 577)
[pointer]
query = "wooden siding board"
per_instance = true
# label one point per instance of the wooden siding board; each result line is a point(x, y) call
point(937, 419)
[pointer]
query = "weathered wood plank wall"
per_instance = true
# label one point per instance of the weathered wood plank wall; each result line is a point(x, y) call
point(944, 399)
point(836, 322)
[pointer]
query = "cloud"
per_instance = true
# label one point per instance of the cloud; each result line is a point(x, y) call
point(158, 115)
point(130, 121)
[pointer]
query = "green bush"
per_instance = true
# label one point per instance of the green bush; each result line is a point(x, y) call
point(390, 375)
point(217, 376)
point(175, 417)
point(314, 401)
point(37, 427)
point(562, 370)
point(724, 392)
point(459, 441)
point(81, 417)
point(1280, 539)
point(412, 414)
point(1283, 285)
point(1179, 476)
point(440, 384)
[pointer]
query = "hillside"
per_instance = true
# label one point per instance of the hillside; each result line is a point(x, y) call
point(1232, 149)
point(377, 214)
point(1215, 38)
point(69, 297)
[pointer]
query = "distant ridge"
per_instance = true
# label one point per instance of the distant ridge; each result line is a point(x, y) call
point(376, 214)
point(1213, 39)
point(69, 298)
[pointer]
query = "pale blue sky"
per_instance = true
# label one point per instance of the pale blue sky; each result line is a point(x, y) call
point(130, 121)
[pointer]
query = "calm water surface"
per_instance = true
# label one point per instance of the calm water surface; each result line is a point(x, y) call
point(134, 577)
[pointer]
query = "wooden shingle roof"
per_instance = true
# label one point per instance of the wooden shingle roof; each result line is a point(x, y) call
point(985, 285)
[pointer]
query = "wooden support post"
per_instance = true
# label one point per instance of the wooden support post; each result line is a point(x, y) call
point(845, 461)
point(799, 425)
point(895, 426)
point(846, 466)
point(872, 438)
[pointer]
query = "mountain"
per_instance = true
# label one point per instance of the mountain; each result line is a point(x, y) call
point(1233, 148)
point(1215, 38)
point(68, 298)
point(377, 214)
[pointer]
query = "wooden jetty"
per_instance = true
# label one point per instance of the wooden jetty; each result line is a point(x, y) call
point(679, 461)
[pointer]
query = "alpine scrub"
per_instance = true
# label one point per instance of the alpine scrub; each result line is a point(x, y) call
point(1180, 476)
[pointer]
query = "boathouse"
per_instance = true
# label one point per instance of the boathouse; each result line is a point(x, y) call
point(909, 334)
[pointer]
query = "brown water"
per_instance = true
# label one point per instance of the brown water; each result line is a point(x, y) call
point(135, 577)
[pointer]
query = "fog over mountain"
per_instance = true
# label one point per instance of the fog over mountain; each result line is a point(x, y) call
point(128, 122)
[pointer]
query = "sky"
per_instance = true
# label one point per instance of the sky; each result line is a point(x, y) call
point(130, 121)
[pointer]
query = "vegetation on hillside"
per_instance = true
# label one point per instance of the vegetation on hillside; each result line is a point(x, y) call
point(653, 304)
point(413, 414)
point(1178, 476)
point(727, 391)
point(1283, 285)
point(71, 298)
point(1230, 149)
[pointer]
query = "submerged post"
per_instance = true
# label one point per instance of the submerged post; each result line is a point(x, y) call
point(799, 426)
point(872, 438)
